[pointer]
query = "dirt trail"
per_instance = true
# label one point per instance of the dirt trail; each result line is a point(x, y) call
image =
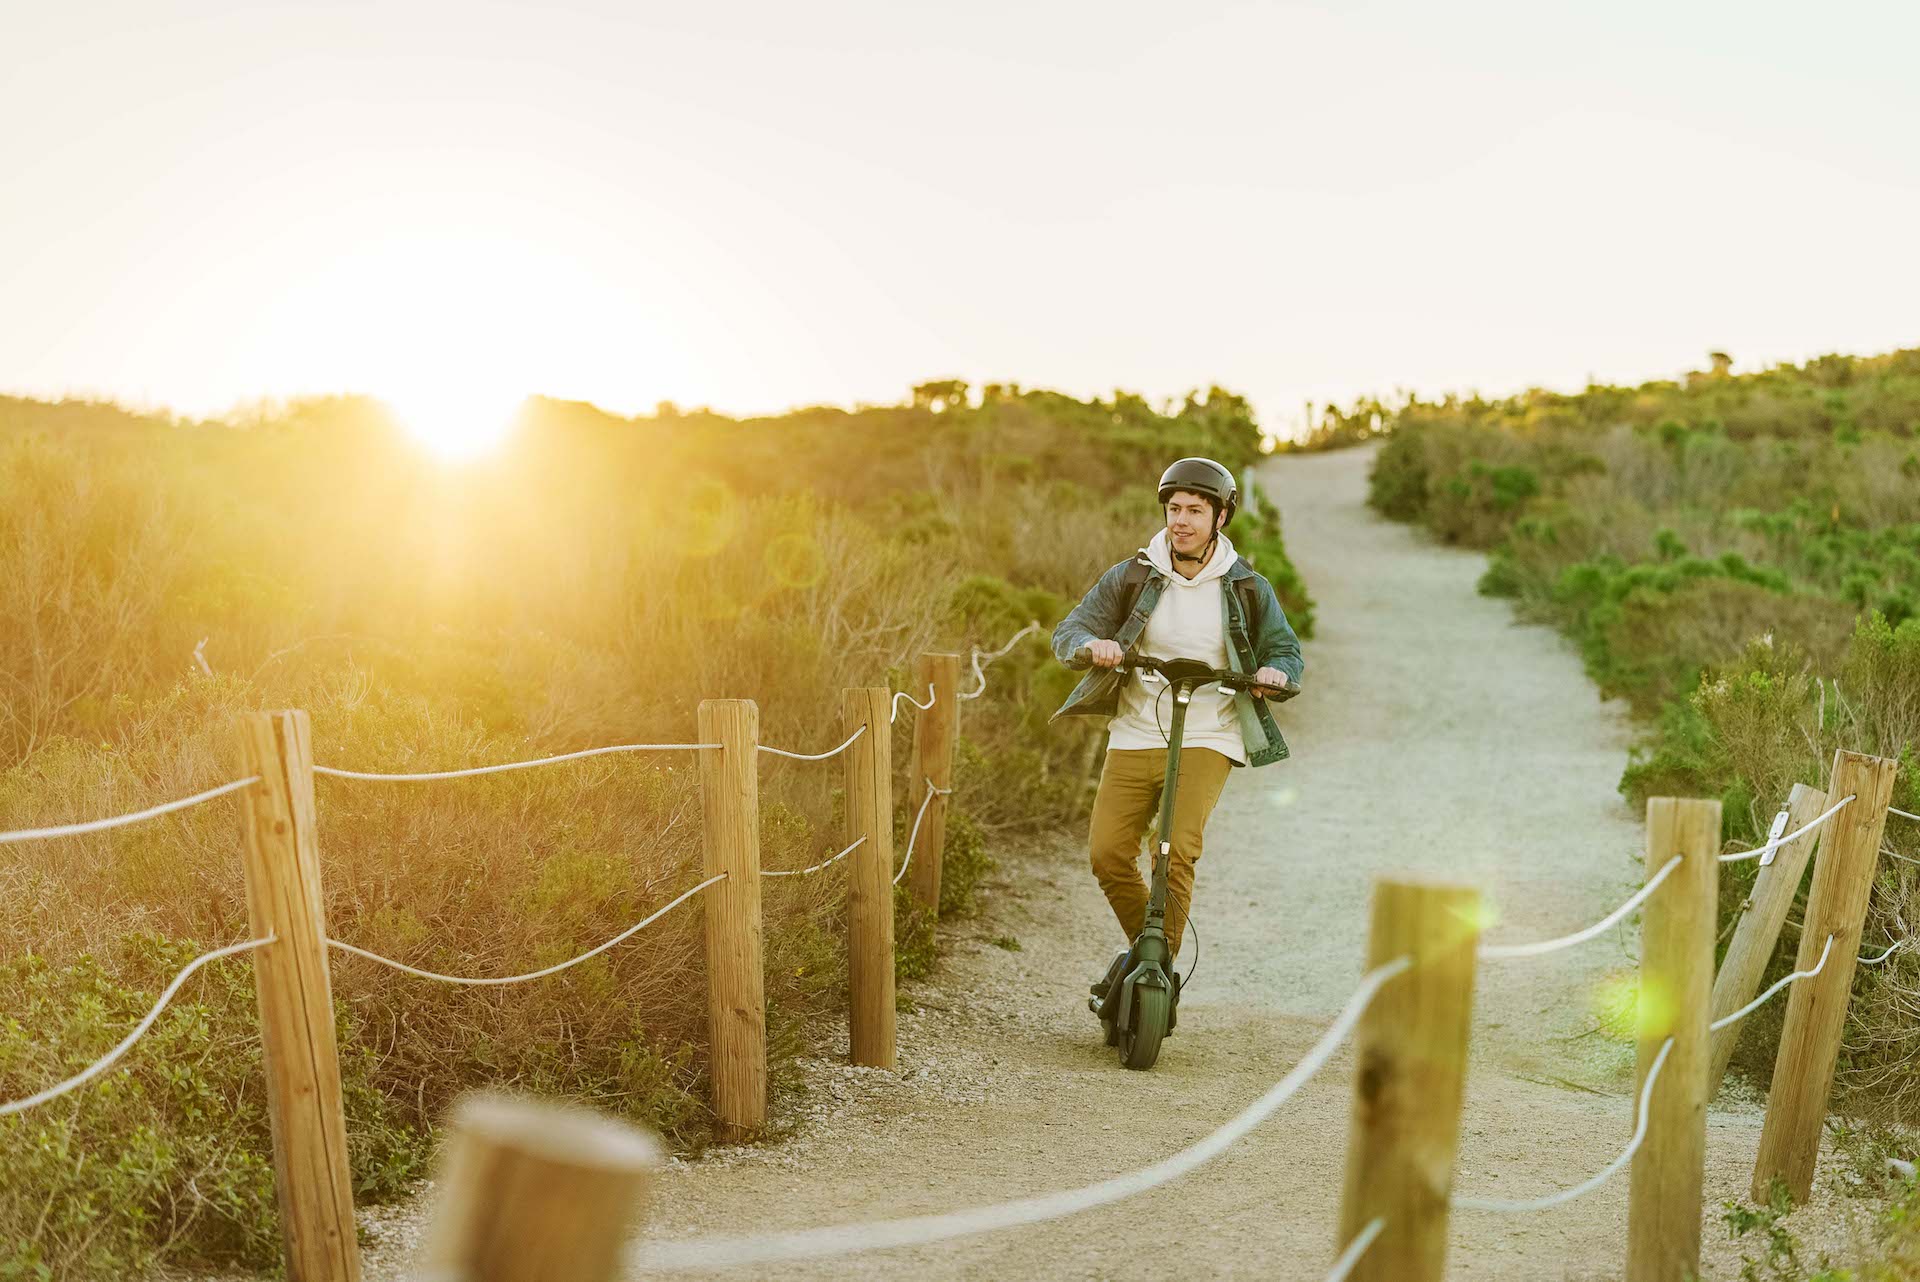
point(1435, 736)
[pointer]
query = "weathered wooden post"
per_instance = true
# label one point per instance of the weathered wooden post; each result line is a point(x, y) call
point(532, 1192)
point(736, 984)
point(1410, 1055)
point(869, 780)
point(1774, 886)
point(1676, 983)
point(280, 852)
point(935, 731)
point(1817, 1007)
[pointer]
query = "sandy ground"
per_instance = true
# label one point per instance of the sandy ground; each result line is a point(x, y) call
point(1434, 736)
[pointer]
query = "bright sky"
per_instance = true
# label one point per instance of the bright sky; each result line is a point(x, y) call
point(757, 205)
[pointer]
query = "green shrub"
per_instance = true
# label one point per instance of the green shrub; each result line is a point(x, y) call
point(171, 1146)
point(915, 948)
point(1397, 485)
point(966, 865)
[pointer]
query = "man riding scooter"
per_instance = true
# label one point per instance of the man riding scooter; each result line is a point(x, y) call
point(1189, 596)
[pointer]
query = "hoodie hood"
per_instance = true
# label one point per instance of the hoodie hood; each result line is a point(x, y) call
point(1158, 552)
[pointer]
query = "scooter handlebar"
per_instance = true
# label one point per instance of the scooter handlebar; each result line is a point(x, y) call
point(1194, 672)
point(1184, 670)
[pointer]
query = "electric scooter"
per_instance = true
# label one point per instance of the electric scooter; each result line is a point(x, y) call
point(1137, 1001)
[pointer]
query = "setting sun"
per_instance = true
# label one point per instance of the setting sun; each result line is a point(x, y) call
point(453, 421)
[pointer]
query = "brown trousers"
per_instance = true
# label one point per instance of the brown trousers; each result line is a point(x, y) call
point(1127, 807)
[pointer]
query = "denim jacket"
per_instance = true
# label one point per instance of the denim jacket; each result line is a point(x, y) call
point(1264, 641)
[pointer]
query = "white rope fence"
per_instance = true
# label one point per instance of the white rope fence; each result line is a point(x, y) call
point(510, 765)
point(919, 1230)
point(816, 756)
point(628, 933)
point(121, 821)
point(1898, 944)
point(1356, 1248)
point(474, 771)
point(107, 1061)
point(1773, 988)
point(1765, 853)
point(1499, 952)
point(1904, 814)
point(980, 676)
point(1588, 1185)
point(801, 872)
point(932, 697)
point(913, 838)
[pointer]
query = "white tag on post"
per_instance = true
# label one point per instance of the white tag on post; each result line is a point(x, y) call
point(1773, 838)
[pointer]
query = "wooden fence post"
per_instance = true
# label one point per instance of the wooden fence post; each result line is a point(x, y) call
point(280, 852)
point(1817, 1007)
point(1774, 886)
point(869, 777)
point(533, 1192)
point(736, 984)
point(1410, 1055)
point(1676, 986)
point(934, 733)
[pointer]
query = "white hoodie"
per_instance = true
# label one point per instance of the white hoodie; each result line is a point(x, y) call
point(1188, 623)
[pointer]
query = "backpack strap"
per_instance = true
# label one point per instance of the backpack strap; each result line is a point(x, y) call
point(1136, 583)
point(1247, 597)
point(1135, 578)
point(1249, 602)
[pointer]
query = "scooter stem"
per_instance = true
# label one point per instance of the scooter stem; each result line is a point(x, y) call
point(1162, 858)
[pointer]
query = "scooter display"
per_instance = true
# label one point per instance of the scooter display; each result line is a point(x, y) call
point(1137, 1001)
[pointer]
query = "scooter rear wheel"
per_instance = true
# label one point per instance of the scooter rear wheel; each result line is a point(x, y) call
point(1140, 1043)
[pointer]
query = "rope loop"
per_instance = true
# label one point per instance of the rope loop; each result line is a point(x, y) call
point(981, 676)
point(933, 696)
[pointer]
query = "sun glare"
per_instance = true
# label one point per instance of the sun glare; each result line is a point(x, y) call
point(455, 424)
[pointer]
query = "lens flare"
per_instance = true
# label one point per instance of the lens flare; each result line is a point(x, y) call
point(1616, 1004)
point(713, 517)
point(796, 561)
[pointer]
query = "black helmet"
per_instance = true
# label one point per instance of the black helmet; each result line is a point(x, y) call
point(1204, 477)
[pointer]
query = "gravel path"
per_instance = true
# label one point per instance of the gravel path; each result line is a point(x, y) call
point(1435, 736)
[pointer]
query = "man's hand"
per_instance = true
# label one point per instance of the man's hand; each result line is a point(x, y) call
point(1106, 654)
point(1269, 677)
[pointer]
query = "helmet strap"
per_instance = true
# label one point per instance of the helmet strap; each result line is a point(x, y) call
point(1206, 553)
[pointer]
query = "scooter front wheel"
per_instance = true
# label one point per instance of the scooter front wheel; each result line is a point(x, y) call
point(1140, 1042)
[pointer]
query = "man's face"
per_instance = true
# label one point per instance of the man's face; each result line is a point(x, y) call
point(1189, 522)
